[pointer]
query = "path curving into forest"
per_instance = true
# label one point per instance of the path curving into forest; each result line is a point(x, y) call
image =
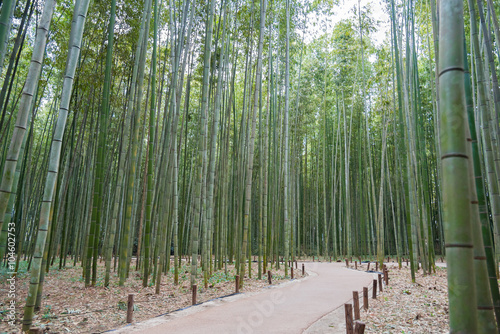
point(287, 308)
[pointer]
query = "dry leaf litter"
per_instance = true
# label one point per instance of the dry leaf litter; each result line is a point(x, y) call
point(69, 307)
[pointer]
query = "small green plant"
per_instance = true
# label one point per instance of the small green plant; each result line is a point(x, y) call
point(47, 312)
point(122, 305)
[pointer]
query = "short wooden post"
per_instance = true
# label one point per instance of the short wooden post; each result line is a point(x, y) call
point(35, 330)
point(347, 263)
point(368, 269)
point(355, 302)
point(386, 276)
point(348, 319)
point(195, 290)
point(269, 277)
point(130, 308)
point(381, 287)
point(237, 283)
point(374, 291)
point(365, 298)
point(355, 264)
point(388, 259)
point(291, 272)
point(359, 328)
point(303, 270)
point(376, 265)
point(296, 265)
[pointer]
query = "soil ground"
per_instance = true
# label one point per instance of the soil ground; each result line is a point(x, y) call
point(69, 307)
point(403, 306)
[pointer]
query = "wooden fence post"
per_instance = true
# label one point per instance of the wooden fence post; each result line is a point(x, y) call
point(195, 290)
point(348, 319)
point(381, 288)
point(303, 270)
point(130, 308)
point(355, 302)
point(269, 277)
point(355, 264)
point(365, 298)
point(359, 328)
point(237, 282)
point(374, 291)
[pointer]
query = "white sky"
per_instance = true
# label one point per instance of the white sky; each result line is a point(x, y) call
point(344, 10)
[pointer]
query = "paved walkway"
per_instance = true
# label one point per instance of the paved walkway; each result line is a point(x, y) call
point(287, 308)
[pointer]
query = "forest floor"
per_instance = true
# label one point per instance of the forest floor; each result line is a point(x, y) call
point(406, 307)
point(403, 306)
point(69, 307)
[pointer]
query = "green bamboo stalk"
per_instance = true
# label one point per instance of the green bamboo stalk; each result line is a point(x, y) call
point(201, 151)
point(456, 192)
point(24, 112)
point(6, 15)
point(485, 292)
point(151, 152)
point(81, 8)
point(92, 251)
point(489, 164)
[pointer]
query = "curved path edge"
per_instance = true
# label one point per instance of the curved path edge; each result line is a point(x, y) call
point(290, 307)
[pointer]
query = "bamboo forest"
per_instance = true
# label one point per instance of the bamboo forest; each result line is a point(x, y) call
point(169, 148)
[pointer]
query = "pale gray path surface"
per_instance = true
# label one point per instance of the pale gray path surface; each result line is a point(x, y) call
point(287, 308)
